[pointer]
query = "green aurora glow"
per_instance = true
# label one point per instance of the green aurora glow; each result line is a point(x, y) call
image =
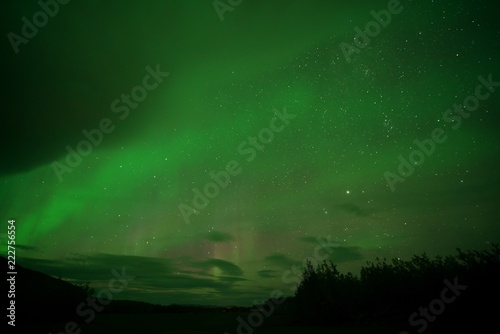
point(323, 175)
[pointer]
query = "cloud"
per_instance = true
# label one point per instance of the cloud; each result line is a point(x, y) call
point(281, 260)
point(27, 248)
point(231, 279)
point(217, 236)
point(346, 254)
point(309, 240)
point(226, 267)
point(98, 266)
point(267, 273)
point(165, 277)
point(340, 253)
point(353, 209)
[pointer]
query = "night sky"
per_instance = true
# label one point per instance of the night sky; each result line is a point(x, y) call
point(312, 136)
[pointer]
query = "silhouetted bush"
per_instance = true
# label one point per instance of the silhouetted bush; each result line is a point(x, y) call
point(390, 291)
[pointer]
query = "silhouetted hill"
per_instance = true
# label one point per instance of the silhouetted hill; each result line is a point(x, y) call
point(135, 307)
point(422, 292)
point(42, 298)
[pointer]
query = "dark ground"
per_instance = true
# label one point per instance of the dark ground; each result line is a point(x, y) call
point(222, 323)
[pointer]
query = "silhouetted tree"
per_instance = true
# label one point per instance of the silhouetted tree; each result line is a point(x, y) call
point(392, 290)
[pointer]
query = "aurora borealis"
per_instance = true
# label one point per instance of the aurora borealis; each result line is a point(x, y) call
point(320, 176)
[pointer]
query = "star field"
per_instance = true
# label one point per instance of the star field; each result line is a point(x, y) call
point(321, 176)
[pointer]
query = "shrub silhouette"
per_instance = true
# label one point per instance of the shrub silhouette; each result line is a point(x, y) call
point(389, 291)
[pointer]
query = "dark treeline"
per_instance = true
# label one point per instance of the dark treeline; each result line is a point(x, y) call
point(456, 289)
point(461, 288)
